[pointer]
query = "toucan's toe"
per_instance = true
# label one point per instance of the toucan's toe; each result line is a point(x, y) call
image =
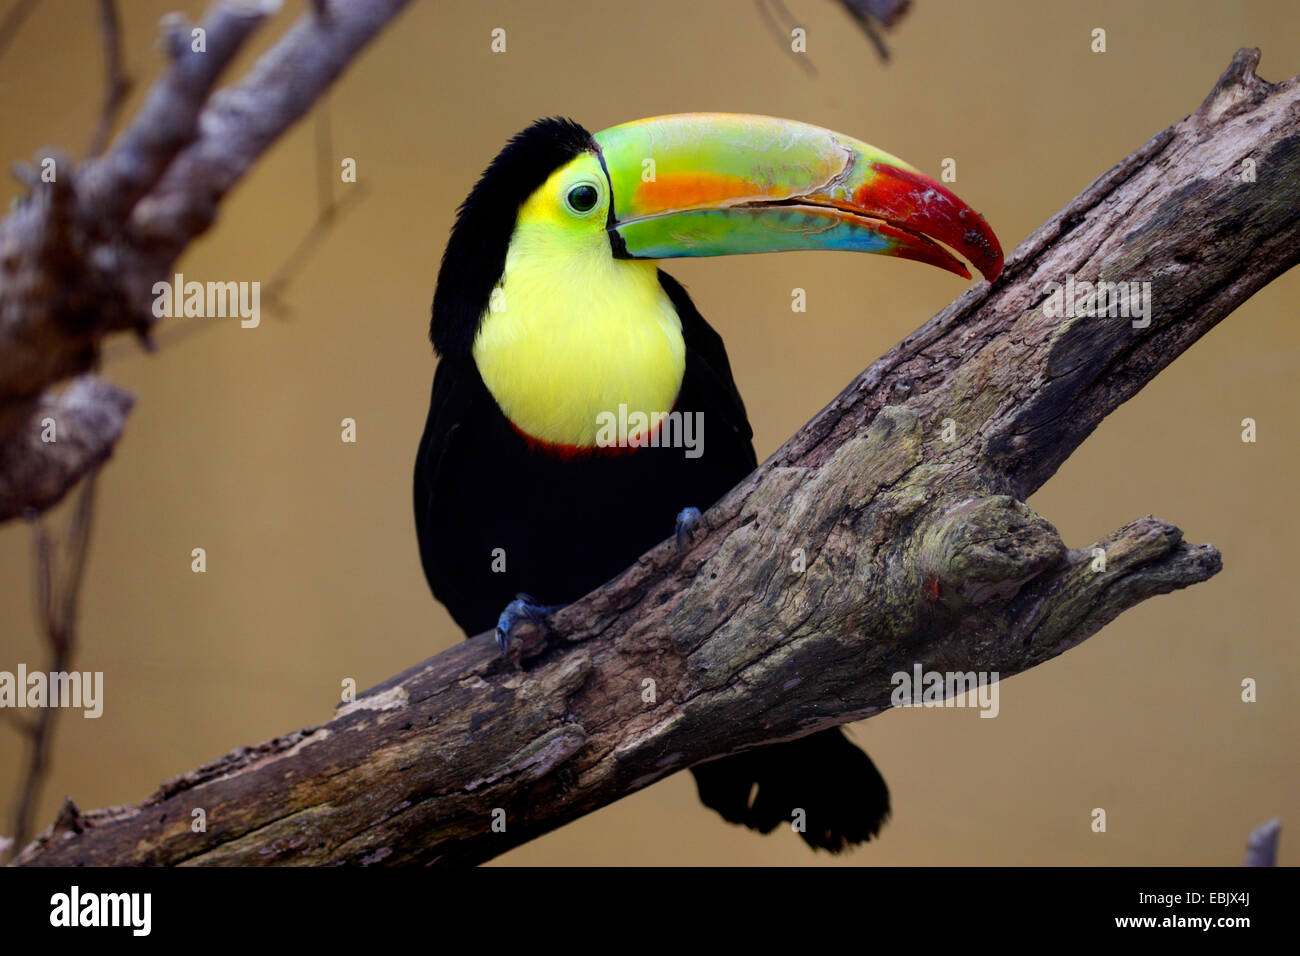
point(524, 610)
point(688, 526)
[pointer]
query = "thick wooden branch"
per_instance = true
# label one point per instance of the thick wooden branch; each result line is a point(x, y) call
point(80, 255)
point(905, 495)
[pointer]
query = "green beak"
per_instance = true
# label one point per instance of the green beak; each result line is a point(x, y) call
point(717, 184)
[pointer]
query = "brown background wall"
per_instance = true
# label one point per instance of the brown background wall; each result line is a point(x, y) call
point(313, 575)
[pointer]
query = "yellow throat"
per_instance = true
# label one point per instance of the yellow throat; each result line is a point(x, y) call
point(572, 332)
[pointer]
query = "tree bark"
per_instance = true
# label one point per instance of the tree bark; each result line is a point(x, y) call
point(919, 550)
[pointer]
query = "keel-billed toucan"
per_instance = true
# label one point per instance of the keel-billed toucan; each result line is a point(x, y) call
point(551, 315)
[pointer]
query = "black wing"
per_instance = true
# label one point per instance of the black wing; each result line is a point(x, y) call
point(709, 370)
point(451, 405)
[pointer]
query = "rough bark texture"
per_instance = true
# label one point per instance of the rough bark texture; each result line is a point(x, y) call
point(918, 550)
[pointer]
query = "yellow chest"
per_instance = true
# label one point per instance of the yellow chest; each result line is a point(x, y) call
point(568, 339)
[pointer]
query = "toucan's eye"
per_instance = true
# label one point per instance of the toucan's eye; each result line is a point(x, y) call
point(582, 198)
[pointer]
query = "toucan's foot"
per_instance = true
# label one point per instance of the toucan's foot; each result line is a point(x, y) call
point(523, 612)
point(688, 525)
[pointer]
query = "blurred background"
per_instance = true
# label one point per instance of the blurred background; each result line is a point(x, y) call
point(313, 575)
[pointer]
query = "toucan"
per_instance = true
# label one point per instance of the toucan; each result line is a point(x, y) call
point(552, 319)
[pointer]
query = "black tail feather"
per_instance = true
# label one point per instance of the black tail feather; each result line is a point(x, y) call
point(843, 796)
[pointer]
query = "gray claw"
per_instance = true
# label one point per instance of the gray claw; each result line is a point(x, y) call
point(522, 608)
point(688, 524)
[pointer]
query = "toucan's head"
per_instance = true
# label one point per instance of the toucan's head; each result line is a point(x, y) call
point(693, 184)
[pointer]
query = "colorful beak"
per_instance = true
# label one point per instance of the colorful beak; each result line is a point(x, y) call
point(718, 184)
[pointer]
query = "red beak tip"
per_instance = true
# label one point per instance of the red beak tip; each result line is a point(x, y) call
point(991, 270)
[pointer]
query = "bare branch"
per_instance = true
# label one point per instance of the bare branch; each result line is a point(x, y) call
point(80, 256)
point(168, 121)
point(242, 121)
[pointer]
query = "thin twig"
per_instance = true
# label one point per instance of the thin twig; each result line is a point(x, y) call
point(273, 291)
point(13, 20)
point(867, 13)
point(56, 602)
point(329, 211)
point(780, 33)
point(324, 161)
point(116, 83)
